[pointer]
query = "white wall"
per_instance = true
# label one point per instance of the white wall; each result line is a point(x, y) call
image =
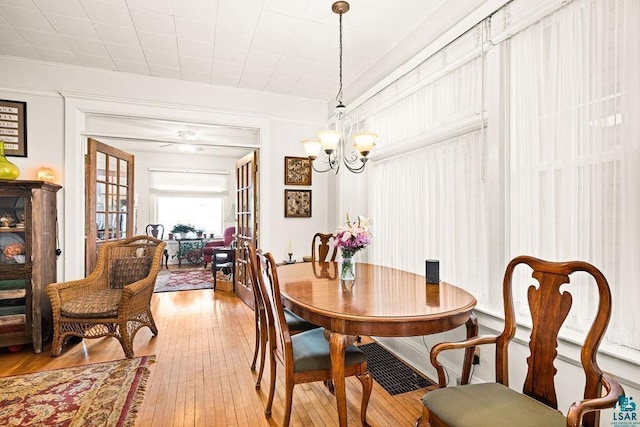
point(59, 96)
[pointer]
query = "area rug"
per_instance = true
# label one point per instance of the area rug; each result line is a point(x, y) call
point(184, 280)
point(390, 372)
point(102, 394)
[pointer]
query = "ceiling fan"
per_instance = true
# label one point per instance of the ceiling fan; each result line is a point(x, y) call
point(185, 147)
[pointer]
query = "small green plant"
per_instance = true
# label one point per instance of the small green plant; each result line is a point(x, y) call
point(183, 228)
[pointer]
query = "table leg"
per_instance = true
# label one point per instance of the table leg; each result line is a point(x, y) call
point(472, 331)
point(337, 346)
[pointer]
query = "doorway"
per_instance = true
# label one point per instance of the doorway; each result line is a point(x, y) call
point(142, 125)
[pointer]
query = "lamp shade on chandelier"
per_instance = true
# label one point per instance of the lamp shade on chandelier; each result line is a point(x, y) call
point(334, 141)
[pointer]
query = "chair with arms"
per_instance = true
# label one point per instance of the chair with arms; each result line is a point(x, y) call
point(295, 323)
point(114, 300)
point(304, 356)
point(157, 231)
point(227, 238)
point(497, 405)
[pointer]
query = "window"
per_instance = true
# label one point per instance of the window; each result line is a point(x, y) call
point(195, 198)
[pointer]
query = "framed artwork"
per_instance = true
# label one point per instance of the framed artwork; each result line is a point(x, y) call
point(297, 171)
point(297, 203)
point(13, 127)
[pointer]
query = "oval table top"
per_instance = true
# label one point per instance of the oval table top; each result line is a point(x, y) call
point(383, 302)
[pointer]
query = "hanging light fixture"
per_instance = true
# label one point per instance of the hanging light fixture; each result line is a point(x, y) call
point(334, 140)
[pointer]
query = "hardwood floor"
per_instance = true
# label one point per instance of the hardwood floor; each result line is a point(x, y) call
point(201, 376)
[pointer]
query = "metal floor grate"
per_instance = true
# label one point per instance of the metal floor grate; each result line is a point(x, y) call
point(390, 372)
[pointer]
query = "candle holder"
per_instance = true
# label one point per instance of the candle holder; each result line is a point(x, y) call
point(290, 260)
point(290, 256)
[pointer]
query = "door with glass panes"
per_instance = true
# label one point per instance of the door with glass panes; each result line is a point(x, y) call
point(109, 198)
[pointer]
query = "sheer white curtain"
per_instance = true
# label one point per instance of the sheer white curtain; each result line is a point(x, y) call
point(424, 189)
point(575, 150)
point(431, 204)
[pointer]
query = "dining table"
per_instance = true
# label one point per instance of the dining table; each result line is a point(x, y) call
point(382, 302)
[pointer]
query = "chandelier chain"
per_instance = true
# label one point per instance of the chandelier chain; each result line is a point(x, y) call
point(339, 95)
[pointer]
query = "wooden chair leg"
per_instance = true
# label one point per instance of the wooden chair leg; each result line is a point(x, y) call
point(272, 385)
point(258, 336)
point(263, 351)
point(288, 401)
point(367, 387)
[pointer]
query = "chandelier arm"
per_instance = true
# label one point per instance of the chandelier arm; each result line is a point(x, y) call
point(332, 162)
point(323, 170)
point(358, 169)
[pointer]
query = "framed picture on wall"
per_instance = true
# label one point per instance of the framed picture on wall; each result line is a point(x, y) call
point(297, 203)
point(297, 171)
point(13, 127)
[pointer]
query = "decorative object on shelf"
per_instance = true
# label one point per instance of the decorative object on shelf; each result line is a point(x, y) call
point(297, 171)
point(7, 169)
point(297, 203)
point(13, 127)
point(334, 141)
point(180, 230)
point(350, 238)
point(45, 174)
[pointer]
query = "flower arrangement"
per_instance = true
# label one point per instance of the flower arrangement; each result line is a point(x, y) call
point(353, 236)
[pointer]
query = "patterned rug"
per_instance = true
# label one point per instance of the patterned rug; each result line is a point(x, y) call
point(102, 394)
point(184, 280)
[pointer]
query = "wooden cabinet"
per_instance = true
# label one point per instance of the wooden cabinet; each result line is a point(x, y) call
point(28, 252)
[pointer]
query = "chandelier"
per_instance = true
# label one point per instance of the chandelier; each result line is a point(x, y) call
point(334, 141)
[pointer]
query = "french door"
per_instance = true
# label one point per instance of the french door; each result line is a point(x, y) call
point(247, 219)
point(108, 198)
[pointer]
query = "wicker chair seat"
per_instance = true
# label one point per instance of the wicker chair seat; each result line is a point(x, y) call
point(101, 304)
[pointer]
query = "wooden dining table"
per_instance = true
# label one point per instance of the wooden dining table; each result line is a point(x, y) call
point(384, 302)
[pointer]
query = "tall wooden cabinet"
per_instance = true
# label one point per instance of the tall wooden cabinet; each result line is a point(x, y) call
point(28, 245)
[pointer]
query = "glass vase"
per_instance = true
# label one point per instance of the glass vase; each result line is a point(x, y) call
point(7, 169)
point(347, 269)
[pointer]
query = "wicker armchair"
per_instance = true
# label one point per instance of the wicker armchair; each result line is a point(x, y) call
point(114, 300)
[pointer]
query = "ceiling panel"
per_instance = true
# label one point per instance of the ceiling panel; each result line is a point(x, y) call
point(283, 46)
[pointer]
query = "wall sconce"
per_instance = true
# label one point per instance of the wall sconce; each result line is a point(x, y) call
point(46, 174)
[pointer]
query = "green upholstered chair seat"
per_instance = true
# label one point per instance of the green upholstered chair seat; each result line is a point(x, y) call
point(297, 323)
point(311, 352)
point(490, 405)
point(102, 304)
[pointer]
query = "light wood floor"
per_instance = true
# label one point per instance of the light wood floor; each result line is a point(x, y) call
point(202, 376)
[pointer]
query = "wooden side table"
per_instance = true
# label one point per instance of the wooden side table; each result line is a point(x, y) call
point(228, 260)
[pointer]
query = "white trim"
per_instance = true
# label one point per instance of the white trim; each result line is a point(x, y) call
point(78, 106)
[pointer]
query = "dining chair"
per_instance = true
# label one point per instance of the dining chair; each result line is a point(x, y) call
point(495, 404)
point(304, 356)
point(157, 231)
point(294, 322)
point(323, 248)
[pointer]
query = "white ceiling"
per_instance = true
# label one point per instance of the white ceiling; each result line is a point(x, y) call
point(282, 46)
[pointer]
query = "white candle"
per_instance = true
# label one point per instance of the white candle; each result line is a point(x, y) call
point(290, 247)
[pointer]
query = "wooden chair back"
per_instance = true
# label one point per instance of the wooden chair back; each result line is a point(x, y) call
point(279, 335)
point(260, 316)
point(155, 230)
point(323, 248)
point(549, 306)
